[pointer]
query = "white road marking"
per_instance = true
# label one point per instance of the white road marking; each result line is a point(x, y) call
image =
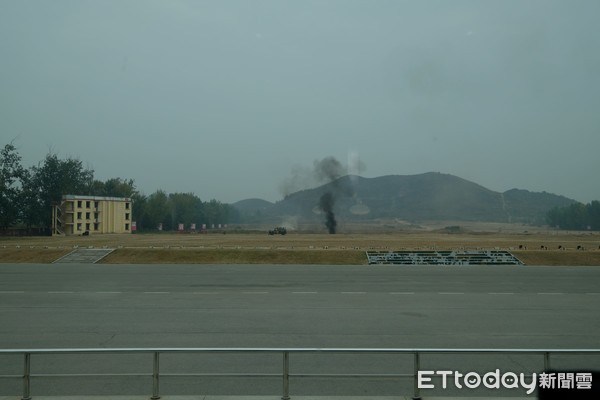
point(299, 292)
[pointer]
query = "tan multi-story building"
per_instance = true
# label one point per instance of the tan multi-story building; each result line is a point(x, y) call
point(76, 215)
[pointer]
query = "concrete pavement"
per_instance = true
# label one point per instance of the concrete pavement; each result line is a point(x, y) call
point(96, 306)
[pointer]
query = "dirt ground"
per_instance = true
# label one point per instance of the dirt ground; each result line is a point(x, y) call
point(534, 247)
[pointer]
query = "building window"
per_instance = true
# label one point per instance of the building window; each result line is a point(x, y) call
point(87, 204)
point(95, 215)
point(78, 227)
point(79, 215)
point(126, 227)
point(78, 203)
point(127, 217)
point(127, 206)
point(95, 204)
point(87, 227)
point(87, 215)
point(96, 226)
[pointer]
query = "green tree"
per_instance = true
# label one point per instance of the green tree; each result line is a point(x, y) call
point(49, 181)
point(219, 213)
point(157, 211)
point(212, 212)
point(12, 176)
point(118, 187)
point(181, 208)
point(140, 205)
point(577, 216)
point(579, 219)
point(594, 215)
point(96, 188)
point(27, 195)
point(186, 208)
point(553, 217)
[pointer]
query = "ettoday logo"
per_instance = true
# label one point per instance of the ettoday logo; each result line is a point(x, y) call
point(473, 380)
point(508, 380)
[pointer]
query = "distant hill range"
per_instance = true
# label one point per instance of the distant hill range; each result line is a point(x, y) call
point(429, 196)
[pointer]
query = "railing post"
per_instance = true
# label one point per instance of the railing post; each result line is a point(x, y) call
point(417, 393)
point(155, 381)
point(286, 376)
point(546, 361)
point(26, 377)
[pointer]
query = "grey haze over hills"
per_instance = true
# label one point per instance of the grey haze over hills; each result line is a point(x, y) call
point(429, 196)
point(207, 96)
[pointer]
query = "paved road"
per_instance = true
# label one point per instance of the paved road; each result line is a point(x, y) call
point(56, 306)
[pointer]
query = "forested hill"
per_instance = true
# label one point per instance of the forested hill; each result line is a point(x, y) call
point(429, 196)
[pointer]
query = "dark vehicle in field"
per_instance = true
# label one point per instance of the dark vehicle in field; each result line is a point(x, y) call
point(280, 230)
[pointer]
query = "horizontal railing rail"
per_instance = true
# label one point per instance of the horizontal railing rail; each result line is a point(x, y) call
point(285, 352)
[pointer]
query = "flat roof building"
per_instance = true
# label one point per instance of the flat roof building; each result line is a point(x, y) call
point(76, 215)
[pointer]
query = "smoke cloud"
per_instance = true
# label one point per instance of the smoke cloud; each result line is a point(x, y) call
point(326, 204)
point(323, 171)
point(327, 170)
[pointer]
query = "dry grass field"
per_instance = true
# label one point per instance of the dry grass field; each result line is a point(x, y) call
point(533, 248)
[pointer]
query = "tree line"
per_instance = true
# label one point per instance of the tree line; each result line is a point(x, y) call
point(28, 194)
point(577, 216)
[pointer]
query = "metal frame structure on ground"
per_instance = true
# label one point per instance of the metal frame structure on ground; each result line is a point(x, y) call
point(443, 257)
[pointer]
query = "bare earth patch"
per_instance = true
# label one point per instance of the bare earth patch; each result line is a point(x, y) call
point(533, 248)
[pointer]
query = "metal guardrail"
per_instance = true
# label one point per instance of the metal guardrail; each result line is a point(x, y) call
point(285, 352)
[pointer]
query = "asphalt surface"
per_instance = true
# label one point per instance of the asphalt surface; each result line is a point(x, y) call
point(145, 306)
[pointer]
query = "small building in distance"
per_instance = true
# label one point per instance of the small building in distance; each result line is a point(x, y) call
point(76, 215)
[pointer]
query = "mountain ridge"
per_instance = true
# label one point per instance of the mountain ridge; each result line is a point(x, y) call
point(427, 196)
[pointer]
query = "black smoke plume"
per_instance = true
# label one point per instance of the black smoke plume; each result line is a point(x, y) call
point(323, 171)
point(326, 204)
point(328, 170)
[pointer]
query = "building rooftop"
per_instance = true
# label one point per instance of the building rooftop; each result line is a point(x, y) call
point(94, 198)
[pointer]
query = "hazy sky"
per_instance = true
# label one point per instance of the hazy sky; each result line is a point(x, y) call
point(226, 98)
